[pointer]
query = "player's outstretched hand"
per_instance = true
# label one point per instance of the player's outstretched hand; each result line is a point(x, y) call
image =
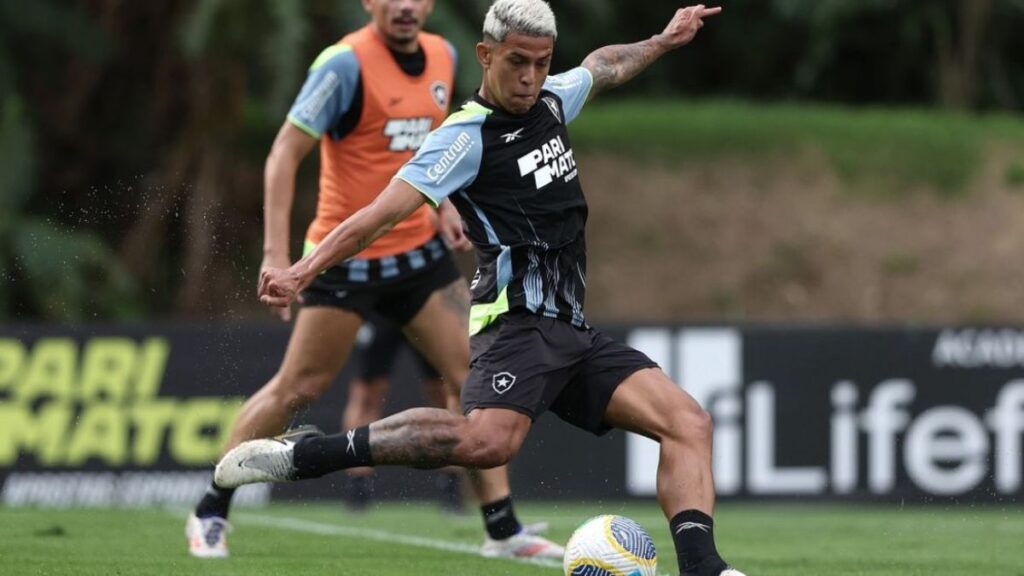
point(282, 312)
point(685, 24)
point(279, 287)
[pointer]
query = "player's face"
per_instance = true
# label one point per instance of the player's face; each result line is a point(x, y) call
point(515, 70)
point(399, 21)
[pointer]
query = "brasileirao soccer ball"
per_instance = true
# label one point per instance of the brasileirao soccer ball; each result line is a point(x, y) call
point(610, 546)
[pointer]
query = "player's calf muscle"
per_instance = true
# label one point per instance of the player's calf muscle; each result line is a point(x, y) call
point(421, 437)
point(432, 438)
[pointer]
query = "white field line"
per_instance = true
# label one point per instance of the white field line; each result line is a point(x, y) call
point(310, 527)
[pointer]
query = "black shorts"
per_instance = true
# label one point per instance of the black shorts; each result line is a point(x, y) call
point(377, 353)
point(530, 364)
point(395, 290)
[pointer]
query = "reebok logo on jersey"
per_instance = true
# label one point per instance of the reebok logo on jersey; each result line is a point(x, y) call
point(550, 161)
point(407, 133)
point(451, 158)
point(502, 382)
point(513, 136)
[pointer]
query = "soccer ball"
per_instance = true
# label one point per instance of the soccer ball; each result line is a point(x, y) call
point(610, 546)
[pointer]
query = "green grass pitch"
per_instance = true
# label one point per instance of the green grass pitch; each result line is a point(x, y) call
point(401, 539)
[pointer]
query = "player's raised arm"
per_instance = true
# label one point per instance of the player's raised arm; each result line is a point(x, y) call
point(280, 286)
point(614, 65)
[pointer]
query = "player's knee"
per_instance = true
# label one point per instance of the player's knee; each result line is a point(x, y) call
point(694, 425)
point(686, 421)
point(490, 450)
point(701, 423)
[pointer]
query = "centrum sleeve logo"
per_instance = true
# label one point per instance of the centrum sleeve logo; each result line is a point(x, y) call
point(455, 153)
point(550, 161)
point(319, 97)
point(407, 133)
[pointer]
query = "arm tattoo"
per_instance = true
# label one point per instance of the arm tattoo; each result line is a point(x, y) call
point(614, 65)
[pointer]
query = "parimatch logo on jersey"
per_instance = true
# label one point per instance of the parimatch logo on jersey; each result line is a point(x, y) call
point(550, 161)
point(407, 133)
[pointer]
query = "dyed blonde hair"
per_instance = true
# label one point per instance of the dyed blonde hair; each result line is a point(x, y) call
point(527, 17)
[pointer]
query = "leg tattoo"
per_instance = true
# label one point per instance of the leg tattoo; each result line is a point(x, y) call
point(420, 437)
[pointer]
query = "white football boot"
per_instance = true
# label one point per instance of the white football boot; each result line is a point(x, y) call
point(207, 537)
point(525, 544)
point(264, 460)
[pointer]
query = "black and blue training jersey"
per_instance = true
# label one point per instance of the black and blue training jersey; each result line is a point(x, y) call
point(513, 179)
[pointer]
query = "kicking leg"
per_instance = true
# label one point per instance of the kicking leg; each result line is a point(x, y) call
point(649, 403)
point(425, 438)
